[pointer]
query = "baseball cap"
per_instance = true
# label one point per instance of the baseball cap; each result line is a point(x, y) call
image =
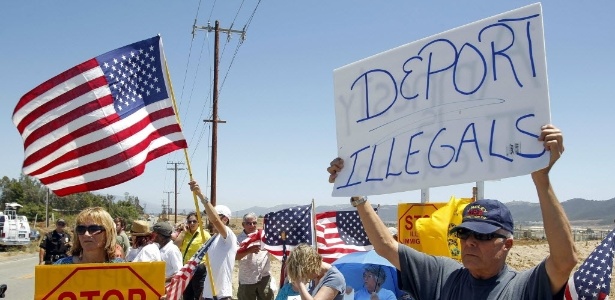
point(486, 216)
point(223, 210)
point(163, 228)
point(61, 222)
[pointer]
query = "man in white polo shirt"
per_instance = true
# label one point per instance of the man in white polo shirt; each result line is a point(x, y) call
point(254, 266)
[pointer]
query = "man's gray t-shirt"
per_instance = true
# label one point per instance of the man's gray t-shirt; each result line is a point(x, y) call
point(433, 277)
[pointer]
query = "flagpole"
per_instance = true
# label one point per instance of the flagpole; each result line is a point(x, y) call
point(188, 166)
point(314, 244)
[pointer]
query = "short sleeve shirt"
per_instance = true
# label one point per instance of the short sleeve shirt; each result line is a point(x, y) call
point(172, 257)
point(70, 260)
point(383, 294)
point(222, 261)
point(149, 252)
point(55, 243)
point(449, 280)
point(254, 266)
point(333, 279)
point(197, 242)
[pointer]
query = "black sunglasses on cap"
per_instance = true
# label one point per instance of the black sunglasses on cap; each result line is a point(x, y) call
point(464, 234)
point(92, 229)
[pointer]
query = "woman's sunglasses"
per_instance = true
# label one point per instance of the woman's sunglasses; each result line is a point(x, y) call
point(92, 229)
point(464, 234)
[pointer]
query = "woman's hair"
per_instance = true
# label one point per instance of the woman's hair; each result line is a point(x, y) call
point(141, 241)
point(101, 217)
point(303, 262)
point(121, 221)
point(378, 272)
point(191, 214)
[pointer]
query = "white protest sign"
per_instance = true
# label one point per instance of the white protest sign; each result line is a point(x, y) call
point(462, 106)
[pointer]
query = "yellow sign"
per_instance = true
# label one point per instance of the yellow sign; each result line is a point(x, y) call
point(129, 281)
point(407, 214)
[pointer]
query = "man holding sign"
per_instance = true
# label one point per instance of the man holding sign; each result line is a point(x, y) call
point(486, 238)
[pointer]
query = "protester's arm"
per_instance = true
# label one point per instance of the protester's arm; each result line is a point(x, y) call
point(250, 250)
point(378, 234)
point(324, 293)
point(179, 239)
point(41, 256)
point(562, 258)
point(212, 214)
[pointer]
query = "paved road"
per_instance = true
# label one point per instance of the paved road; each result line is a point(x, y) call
point(18, 273)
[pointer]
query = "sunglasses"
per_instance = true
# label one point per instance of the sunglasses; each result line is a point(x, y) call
point(250, 223)
point(464, 234)
point(192, 222)
point(92, 229)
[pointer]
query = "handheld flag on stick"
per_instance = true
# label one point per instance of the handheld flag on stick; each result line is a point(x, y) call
point(253, 239)
point(180, 280)
point(593, 278)
point(99, 123)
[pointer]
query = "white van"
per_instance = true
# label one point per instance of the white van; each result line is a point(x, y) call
point(14, 229)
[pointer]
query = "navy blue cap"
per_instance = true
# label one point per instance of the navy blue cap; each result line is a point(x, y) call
point(486, 216)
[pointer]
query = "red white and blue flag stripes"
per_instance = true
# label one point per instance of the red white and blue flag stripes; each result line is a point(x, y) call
point(97, 124)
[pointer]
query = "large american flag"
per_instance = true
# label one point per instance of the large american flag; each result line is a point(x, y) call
point(97, 124)
point(339, 233)
point(295, 223)
point(179, 281)
point(593, 278)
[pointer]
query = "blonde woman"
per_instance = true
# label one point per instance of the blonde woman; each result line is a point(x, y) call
point(95, 242)
point(305, 267)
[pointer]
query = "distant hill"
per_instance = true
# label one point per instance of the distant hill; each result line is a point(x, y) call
point(581, 212)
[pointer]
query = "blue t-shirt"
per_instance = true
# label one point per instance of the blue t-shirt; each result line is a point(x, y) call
point(69, 261)
point(383, 294)
point(441, 278)
point(333, 279)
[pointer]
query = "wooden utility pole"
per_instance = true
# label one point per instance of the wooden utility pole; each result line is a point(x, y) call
point(165, 208)
point(175, 169)
point(214, 120)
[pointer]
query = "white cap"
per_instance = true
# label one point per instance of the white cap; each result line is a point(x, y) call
point(223, 210)
point(393, 230)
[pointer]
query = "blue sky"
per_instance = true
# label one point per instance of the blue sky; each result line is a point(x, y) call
point(277, 91)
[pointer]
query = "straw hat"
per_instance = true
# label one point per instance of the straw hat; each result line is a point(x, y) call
point(140, 228)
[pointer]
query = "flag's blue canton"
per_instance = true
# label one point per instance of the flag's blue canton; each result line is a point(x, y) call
point(593, 278)
point(296, 222)
point(134, 75)
point(350, 228)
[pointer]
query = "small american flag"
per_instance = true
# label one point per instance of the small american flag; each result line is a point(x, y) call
point(253, 239)
point(339, 233)
point(97, 124)
point(179, 281)
point(592, 281)
point(294, 223)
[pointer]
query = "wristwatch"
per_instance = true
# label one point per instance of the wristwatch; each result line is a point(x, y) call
point(357, 200)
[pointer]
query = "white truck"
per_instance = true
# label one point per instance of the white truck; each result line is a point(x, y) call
point(14, 229)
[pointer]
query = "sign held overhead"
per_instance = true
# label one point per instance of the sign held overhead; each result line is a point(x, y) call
point(462, 106)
